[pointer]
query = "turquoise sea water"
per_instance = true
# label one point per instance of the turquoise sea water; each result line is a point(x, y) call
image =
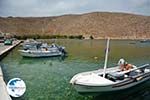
point(48, 78)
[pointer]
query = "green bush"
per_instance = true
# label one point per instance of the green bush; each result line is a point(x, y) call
point(91, 37)
point(37, 36)
point(76, 37)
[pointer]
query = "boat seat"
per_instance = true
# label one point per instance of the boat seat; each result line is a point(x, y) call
point(115, 76)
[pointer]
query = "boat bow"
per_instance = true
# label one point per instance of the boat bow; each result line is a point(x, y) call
point(90, 79)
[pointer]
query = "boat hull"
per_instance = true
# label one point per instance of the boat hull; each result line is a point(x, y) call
point(40, 54)
point(114, 87)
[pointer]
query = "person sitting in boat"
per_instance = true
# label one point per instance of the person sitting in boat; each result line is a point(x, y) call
point(124, 65)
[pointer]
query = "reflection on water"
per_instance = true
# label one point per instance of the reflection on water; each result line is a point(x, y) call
point(28, 60)
point(139, 92)
point(48, 78)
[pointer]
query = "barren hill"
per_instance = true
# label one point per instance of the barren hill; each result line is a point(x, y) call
point(97, 24)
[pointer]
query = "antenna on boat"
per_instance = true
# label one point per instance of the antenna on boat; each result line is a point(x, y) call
point(106, 57)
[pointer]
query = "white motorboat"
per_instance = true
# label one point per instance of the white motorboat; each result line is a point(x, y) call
point(30, 43)
point(110, 79)
point(43, 51)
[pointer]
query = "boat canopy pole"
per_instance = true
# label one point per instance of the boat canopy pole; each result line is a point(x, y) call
point(106, 57)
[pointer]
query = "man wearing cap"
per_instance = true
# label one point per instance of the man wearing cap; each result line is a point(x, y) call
point(124, 65)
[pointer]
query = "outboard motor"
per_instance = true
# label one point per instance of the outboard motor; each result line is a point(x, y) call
point(62, 50)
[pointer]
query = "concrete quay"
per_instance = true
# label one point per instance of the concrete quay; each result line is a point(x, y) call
point(4, 50)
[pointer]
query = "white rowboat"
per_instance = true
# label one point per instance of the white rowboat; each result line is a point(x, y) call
point(110, 79)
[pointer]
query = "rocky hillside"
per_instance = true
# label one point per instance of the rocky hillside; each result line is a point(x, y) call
point(97, 24)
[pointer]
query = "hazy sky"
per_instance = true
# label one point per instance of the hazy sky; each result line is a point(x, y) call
point(60, 7)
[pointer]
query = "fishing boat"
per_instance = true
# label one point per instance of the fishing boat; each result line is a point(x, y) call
point(30, 43)
point(145, 41)
point(43, 50)
point(110, 79)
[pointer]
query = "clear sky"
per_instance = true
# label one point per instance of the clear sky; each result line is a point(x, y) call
point(59, 7)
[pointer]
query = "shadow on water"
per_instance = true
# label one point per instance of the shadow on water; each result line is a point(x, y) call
point(29, 60)
point(139, 92)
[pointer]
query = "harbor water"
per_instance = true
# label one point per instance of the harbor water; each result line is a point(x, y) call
point(48, 78)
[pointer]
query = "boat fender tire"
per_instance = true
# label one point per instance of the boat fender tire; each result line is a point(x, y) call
point(138, 79)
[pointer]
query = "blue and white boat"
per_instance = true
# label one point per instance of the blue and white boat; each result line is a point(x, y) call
point(43, 50)
point(30, 43)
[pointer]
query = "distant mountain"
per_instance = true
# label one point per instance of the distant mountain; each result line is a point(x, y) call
point(97, 24)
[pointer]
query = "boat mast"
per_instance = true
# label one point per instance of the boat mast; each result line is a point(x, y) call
point(106, 57)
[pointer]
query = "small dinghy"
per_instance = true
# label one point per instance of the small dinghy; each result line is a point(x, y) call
point(145, 41)
point(110, 79)
point(43, 50)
